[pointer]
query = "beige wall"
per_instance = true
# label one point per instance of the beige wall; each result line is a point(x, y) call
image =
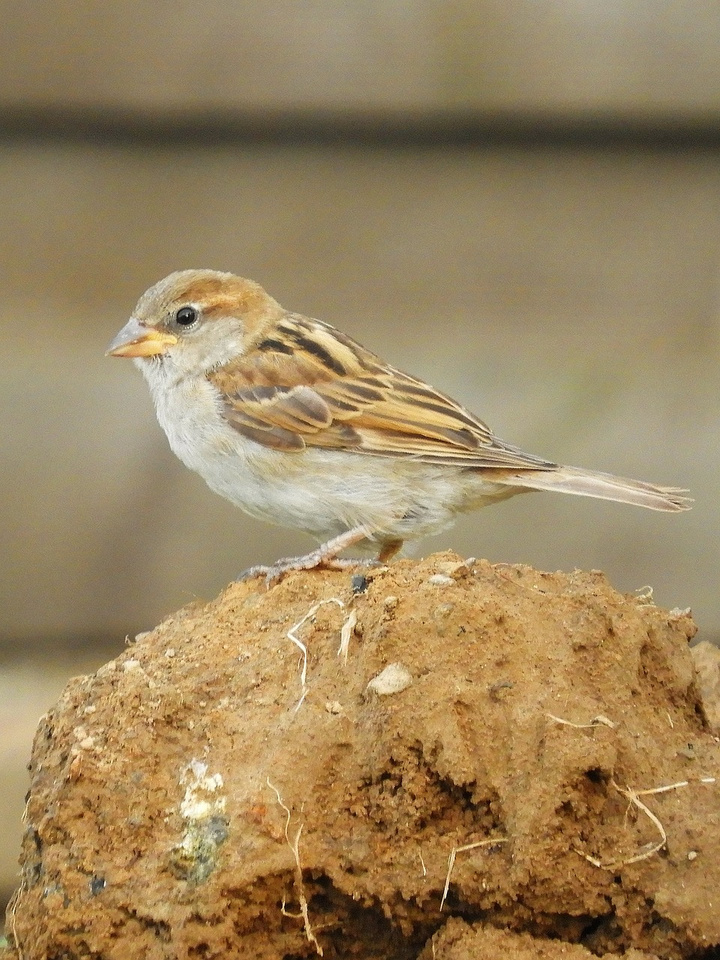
point(569, 296)
point(640, 58)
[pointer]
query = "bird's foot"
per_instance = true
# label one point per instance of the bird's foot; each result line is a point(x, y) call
point(326, 555)
point(277, 570)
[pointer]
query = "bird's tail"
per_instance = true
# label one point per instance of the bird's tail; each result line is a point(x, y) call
point(603, 486)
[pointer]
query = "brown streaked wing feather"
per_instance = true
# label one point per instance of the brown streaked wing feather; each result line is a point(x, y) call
point(308, 385)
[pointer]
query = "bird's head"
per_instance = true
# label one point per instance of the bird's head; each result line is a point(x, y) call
point(197, 320)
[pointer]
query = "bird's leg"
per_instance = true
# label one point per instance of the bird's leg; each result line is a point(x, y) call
point(389, 550)
point(326, 555)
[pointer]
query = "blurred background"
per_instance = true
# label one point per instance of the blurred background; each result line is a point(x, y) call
point(516, 199)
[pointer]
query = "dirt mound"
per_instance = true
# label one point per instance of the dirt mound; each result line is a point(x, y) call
point(441, 760)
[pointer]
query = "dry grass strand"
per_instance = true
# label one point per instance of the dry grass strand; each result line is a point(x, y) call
point(633, 796)
point(456, 850)
point(295, 848)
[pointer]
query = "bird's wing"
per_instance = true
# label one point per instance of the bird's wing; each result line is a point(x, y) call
point(308, 385)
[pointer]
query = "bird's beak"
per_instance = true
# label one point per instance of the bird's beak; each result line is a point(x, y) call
point(138, 340)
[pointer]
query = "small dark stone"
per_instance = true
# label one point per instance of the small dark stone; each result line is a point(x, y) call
point(359, 583)
point(97, 885)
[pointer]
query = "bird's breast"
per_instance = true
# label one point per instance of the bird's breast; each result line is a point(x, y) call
point(189, 411)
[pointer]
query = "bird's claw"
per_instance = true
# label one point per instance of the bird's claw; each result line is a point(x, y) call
point(326, 555)
point(277, 570)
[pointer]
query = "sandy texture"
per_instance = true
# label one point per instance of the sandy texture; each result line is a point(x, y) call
point(457, 940)
point(201, 797)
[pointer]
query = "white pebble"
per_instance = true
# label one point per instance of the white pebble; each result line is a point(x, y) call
point(393, 679)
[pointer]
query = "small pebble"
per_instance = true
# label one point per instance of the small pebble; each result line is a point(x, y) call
point(359, 583)
point(97, 885)
point(393, 679)
point(441, 580)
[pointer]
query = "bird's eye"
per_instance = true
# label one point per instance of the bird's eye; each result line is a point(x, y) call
point(186, 316)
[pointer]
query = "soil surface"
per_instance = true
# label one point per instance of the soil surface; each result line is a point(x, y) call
point(438, 759)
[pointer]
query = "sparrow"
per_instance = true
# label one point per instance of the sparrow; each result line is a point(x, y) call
point(300, 425)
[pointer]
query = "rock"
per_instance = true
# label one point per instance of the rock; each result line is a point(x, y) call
point(706, 658)
point(393, 679)
point(211, 804)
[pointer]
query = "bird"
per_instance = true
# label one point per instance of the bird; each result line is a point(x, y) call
point(298, 424)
